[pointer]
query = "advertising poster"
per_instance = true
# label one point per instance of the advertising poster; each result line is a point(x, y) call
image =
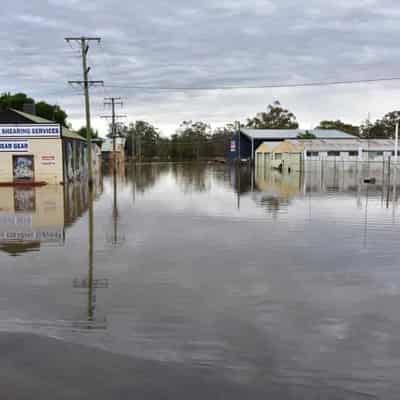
point(23, 168)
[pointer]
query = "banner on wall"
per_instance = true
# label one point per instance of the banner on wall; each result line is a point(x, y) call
point(30, 130)
point(14, 146)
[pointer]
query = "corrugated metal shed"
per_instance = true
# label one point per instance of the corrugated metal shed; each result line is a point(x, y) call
point(267, 147)
point(345, 144)
point(289, 146)
point(271, 134)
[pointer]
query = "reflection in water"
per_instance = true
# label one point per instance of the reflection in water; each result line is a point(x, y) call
point(35, 217)
point(288, 283)
point(30, 218)
point(191, 177)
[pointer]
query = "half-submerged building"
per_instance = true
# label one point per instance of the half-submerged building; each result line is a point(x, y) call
point(297, 154)
point(36, 151)
point(244, 144)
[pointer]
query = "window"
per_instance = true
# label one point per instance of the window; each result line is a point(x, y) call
point(373, 154)
point(312, 154)
point(353, 153)
point(333, 153)
point(278, 156)
point(398, 153)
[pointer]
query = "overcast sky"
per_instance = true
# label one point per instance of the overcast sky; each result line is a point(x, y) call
point(206, 43)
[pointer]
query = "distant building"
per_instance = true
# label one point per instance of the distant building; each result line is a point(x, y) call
point(250, 139)
point(107, 150)
point(295, 153)
point(34, 150)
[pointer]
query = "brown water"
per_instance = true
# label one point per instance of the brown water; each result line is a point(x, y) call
point(288, 282)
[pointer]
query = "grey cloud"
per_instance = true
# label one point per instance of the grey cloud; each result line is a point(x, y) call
point(188, 43)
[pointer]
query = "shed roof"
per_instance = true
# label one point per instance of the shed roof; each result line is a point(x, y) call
point(267, 147)
point(289, 146)
point(271, 134)
point(67, 133)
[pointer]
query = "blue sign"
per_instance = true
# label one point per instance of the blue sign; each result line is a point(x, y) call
point(29, 131)
point(20, 146)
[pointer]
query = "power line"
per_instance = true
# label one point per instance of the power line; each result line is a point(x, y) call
point(261, 86)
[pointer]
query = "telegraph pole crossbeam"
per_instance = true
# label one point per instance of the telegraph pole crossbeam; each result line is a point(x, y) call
point(86, 83)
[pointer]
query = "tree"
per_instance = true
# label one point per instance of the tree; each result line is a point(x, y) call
point(45, 110)
point(82, 132)
point(219, 142)
point(193, 138)
point(306, 135)
point(382, 128)
point(340, 126)
point(51, 112)
point(142, 140)
point(276, 117)
point(16, 101)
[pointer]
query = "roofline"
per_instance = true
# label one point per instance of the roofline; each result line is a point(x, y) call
point(348, 135)
point(35, 119)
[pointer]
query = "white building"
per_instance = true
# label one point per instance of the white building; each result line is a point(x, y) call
point(299, 153)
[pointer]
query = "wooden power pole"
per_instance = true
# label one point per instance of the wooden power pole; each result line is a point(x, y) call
point(86, 83)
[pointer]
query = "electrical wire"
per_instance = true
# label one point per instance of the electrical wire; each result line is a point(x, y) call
point(261, 86)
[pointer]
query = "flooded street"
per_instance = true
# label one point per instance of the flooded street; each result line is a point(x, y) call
point(282, 285)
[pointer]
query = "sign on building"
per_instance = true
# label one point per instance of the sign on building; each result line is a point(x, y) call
point(14, 146)
point(233, 146)
point(30, 131)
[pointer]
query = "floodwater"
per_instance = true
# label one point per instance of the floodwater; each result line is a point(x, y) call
point(285, 283)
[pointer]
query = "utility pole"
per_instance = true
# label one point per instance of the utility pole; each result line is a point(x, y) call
point(113, 101)
point(238, 143)
point(86, 83)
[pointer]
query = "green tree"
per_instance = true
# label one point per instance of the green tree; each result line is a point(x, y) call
point(16, 101)
point(142, 140)
point(52, 112)
point(219, 141)
point(82, 132)
point(306, 135)
point(341, 126)
point(276, 117)
point(193, 139)
point(383, 128)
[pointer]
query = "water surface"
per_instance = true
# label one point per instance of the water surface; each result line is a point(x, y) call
point(287, 283)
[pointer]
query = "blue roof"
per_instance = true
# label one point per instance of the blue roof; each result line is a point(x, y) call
point(276, 134)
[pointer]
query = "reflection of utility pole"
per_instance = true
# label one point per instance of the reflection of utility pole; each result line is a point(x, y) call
point(139, 145)
point(115, 210)
point(91, 293)
point(394, 200)
point(238, 186)
point(366, 218)
point(84, 42)
point(134, 182)
point(89, 283)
